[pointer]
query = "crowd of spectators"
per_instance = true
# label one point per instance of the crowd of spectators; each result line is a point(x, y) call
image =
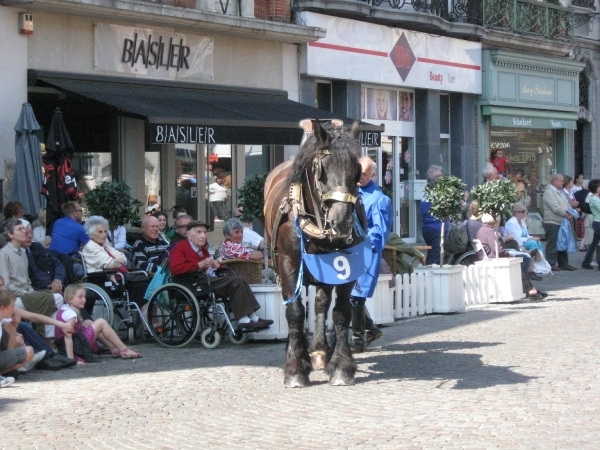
point(41, 329)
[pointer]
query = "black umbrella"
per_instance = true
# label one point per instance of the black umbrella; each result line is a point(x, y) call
point(27, 183)
point(60, 185)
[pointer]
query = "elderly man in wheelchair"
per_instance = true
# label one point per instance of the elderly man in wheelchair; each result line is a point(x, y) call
point(192, 265)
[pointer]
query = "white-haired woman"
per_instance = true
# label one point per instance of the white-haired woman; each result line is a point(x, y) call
point(98, 254)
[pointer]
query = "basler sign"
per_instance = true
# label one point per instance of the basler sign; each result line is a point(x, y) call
point(154, 53)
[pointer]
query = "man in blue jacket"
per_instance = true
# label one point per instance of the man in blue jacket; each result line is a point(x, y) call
point(378, 209)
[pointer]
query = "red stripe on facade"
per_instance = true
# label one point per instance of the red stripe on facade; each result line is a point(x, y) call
point(347, 49)
point(448, 63)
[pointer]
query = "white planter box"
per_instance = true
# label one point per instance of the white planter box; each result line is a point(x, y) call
point(270, 299)
point(381, 305)
point(506, 278)
point(447, 288)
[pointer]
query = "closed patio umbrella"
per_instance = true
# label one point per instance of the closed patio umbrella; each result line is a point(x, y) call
point(59, 185)
point(27, 181)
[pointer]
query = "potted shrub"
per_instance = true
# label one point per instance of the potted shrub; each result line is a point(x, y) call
point(251, 197)
point(445, 198)
point(447, 288)
point(113, 201)
point(496, 198)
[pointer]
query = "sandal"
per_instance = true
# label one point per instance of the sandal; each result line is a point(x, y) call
point(115, 352)
point(129, 353)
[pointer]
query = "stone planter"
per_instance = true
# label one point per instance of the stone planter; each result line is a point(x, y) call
point(447, 288)
point(506, 277)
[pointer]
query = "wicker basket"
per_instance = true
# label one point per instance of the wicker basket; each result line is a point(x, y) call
point(250, 270)
point(389, 255)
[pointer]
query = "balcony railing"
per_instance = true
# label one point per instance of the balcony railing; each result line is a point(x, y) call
point(520, 16)
point(529, 17)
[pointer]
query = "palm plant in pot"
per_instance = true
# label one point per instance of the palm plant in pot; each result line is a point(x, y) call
point(113, 201)
point(495, 198)
point(445, 197)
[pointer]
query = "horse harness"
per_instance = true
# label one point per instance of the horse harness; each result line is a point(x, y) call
point(293, 203)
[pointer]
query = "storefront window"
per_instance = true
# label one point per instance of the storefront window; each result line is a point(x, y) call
point(186, 192)
point(91, 169)
point(152, 180)
point(530, 160)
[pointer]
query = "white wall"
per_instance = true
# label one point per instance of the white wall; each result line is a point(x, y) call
point(13, 88)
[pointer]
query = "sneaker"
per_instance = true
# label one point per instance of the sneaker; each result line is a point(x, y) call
point(6, 381)
point(31, 364)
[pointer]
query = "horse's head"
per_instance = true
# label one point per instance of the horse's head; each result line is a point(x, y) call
point(328, 158)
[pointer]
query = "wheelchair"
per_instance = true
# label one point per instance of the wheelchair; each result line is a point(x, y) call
point(179, 312)
point(107, 297)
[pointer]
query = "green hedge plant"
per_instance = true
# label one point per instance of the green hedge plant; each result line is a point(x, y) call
point(251, 197)
point(446, 197)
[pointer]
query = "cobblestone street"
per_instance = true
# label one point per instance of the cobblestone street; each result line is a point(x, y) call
point(522, 375)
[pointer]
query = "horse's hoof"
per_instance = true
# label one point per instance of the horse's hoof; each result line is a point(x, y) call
point(341, 379)
point(296, 381)
point(318, 360)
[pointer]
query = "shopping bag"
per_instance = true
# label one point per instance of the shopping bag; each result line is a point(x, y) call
point(160, 277)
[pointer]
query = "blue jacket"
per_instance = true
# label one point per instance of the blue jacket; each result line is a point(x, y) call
point(565, 240)
point(378, 208)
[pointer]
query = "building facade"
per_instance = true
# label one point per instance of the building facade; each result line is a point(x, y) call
point(156, 94)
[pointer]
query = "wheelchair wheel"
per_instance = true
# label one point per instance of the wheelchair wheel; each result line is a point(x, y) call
point(173, 315)
point(237, 338)
point(209, 339)
point(467, 259)
point(98, 303)
point(131, 335)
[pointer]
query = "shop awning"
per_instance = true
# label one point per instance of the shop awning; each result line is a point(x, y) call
point(204, 114)
point(526, 118)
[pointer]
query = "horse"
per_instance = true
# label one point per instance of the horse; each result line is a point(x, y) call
point(311, 204)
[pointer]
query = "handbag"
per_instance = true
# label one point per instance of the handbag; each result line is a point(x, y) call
point(161, 276)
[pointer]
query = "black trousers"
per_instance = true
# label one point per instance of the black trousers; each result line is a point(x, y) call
point(553, 256)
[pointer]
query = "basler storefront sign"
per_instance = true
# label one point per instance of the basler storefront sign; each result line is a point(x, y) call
point(153, 53)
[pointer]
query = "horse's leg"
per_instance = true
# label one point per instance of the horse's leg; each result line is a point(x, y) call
point(341, 367)
point(296, 367)
point(319, 350)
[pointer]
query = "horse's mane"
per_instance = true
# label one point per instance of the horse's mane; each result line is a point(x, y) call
point(345, 151)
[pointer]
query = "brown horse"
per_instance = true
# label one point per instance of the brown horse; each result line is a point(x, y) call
point(316, 193)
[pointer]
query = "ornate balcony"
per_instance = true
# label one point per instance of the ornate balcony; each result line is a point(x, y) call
point(529, 17)
point(526, 17)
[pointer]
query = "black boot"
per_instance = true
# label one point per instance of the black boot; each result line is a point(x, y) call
point(373, 333)
point(358, 328)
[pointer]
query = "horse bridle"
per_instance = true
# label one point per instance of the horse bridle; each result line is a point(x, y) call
point(320, 229)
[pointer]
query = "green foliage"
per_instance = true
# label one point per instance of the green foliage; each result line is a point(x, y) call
point(495, 198)
point(446, 197)
point(113, 201)
point(251, 197)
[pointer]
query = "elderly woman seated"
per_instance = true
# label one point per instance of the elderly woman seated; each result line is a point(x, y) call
point(517, 227)
point(99, 255)
point(233, 245)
